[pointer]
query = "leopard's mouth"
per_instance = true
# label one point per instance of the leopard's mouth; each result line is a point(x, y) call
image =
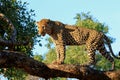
point(43, 33)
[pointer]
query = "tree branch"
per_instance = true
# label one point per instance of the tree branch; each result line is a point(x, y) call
point(10, 24)
point(15, 59)
point(13, 33)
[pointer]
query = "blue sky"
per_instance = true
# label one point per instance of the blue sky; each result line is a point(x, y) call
point(106, 11)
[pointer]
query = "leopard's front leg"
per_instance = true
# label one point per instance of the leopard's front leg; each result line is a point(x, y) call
point(60, 50)
point(91, 54)
point(59, 41)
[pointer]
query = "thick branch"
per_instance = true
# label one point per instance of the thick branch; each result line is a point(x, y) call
point(33, 67)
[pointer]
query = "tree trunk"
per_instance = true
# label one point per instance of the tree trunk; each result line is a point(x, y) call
point(18, 60)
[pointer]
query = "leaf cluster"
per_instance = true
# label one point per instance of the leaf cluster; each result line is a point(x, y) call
point(23, 20)
point(86, 20)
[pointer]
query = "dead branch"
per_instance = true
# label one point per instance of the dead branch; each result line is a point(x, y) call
point(13, 33)
point(10, 24)
point(33, 67)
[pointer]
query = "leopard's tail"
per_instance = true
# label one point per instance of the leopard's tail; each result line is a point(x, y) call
point(110, 48)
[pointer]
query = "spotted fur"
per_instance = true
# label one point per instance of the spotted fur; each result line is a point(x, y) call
point(63, 35)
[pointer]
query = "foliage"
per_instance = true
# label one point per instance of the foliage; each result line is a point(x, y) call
point(117, 64)
point(38, 57)
point(50, 56)
point(23, 20)
point(86, 20)
point(59, 78)
point(14, 74)
point(76, 55)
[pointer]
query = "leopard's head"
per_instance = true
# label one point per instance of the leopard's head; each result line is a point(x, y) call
point(44, 27)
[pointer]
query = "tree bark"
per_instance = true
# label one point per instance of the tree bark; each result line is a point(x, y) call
point(18, 60)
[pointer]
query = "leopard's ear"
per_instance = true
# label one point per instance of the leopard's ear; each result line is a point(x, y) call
point(50, 22)
point(37, 22)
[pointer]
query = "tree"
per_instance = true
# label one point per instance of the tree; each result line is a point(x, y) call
point(25, 32)
point(31, 77)
point(86, 20)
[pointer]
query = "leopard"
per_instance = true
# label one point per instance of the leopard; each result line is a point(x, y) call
point(64, 35)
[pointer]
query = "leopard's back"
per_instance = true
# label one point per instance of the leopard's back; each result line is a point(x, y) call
point(75, 35)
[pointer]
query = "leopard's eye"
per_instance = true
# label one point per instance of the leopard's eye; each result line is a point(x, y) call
point(43, 27)
point(48, 22)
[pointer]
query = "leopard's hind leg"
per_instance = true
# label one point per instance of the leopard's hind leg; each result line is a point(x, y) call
point(106, 54)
